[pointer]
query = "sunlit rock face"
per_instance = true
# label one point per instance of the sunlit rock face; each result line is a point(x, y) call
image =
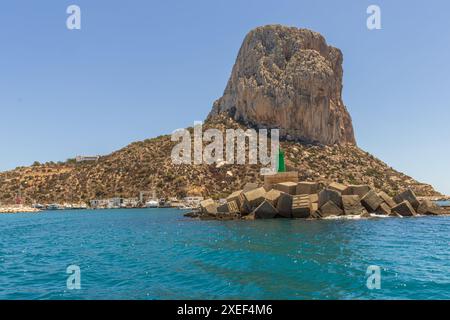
point(290, 79)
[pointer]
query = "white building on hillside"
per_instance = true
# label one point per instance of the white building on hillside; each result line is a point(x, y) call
point(87, 158)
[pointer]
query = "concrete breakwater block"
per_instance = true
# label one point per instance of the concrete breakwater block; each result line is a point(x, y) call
point(287, 187)
point(255, 197)
point(229, 207)
point(284, 205)
point(371, 201)
point(315, 213)
point(272, 196)
point(272, 179)
point(428, 207)
point(408, 195)
point(307, 187)
point(404, 209)
point(384, 209)
point(386, 198)
point(327, 195)
point(235, 196)
point(223, 208)
point(330, 209)
point(352, 205)
point(245, 206)
point(314, 198)
point(265, 211)
point(301, 206)
point(208, 207)
point(233, 207)
point(357, 190)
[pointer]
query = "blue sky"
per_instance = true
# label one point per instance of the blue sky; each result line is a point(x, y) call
point(139, 69)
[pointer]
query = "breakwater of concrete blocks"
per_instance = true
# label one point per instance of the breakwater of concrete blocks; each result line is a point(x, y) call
point(312, 200)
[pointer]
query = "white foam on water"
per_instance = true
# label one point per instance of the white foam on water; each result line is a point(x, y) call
point(342, 218)
point(379, 215)
point(353, 217)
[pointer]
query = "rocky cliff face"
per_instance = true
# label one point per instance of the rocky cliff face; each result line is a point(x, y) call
point(290, 79)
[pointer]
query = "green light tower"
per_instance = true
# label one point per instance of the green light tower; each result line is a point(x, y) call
point(281, 164)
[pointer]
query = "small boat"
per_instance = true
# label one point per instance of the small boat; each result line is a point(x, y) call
point(187, 207)
point(53, 207)
point(79, 207)
point(152, 204)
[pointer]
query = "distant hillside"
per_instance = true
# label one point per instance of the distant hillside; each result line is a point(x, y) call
point(147, 164)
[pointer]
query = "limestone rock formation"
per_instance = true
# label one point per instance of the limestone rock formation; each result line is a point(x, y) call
point(290, 79)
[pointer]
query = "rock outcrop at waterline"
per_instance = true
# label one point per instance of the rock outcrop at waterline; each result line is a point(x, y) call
point(309, 200)
point(290, 79)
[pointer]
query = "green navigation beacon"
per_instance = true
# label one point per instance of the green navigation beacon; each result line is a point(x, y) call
point(281, 165)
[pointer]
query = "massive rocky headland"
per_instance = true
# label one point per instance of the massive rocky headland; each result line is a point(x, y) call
point(284, 78)
point(290, 79)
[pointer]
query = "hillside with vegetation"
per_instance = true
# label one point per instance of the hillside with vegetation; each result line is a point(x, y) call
point(144, 165)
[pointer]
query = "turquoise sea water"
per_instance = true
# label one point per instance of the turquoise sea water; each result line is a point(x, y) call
point(159, 254)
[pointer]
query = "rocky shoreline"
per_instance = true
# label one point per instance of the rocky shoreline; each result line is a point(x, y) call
point(312, 200)
point(18, 209)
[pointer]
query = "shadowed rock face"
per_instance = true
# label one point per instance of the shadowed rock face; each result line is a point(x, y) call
point(290, 79)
